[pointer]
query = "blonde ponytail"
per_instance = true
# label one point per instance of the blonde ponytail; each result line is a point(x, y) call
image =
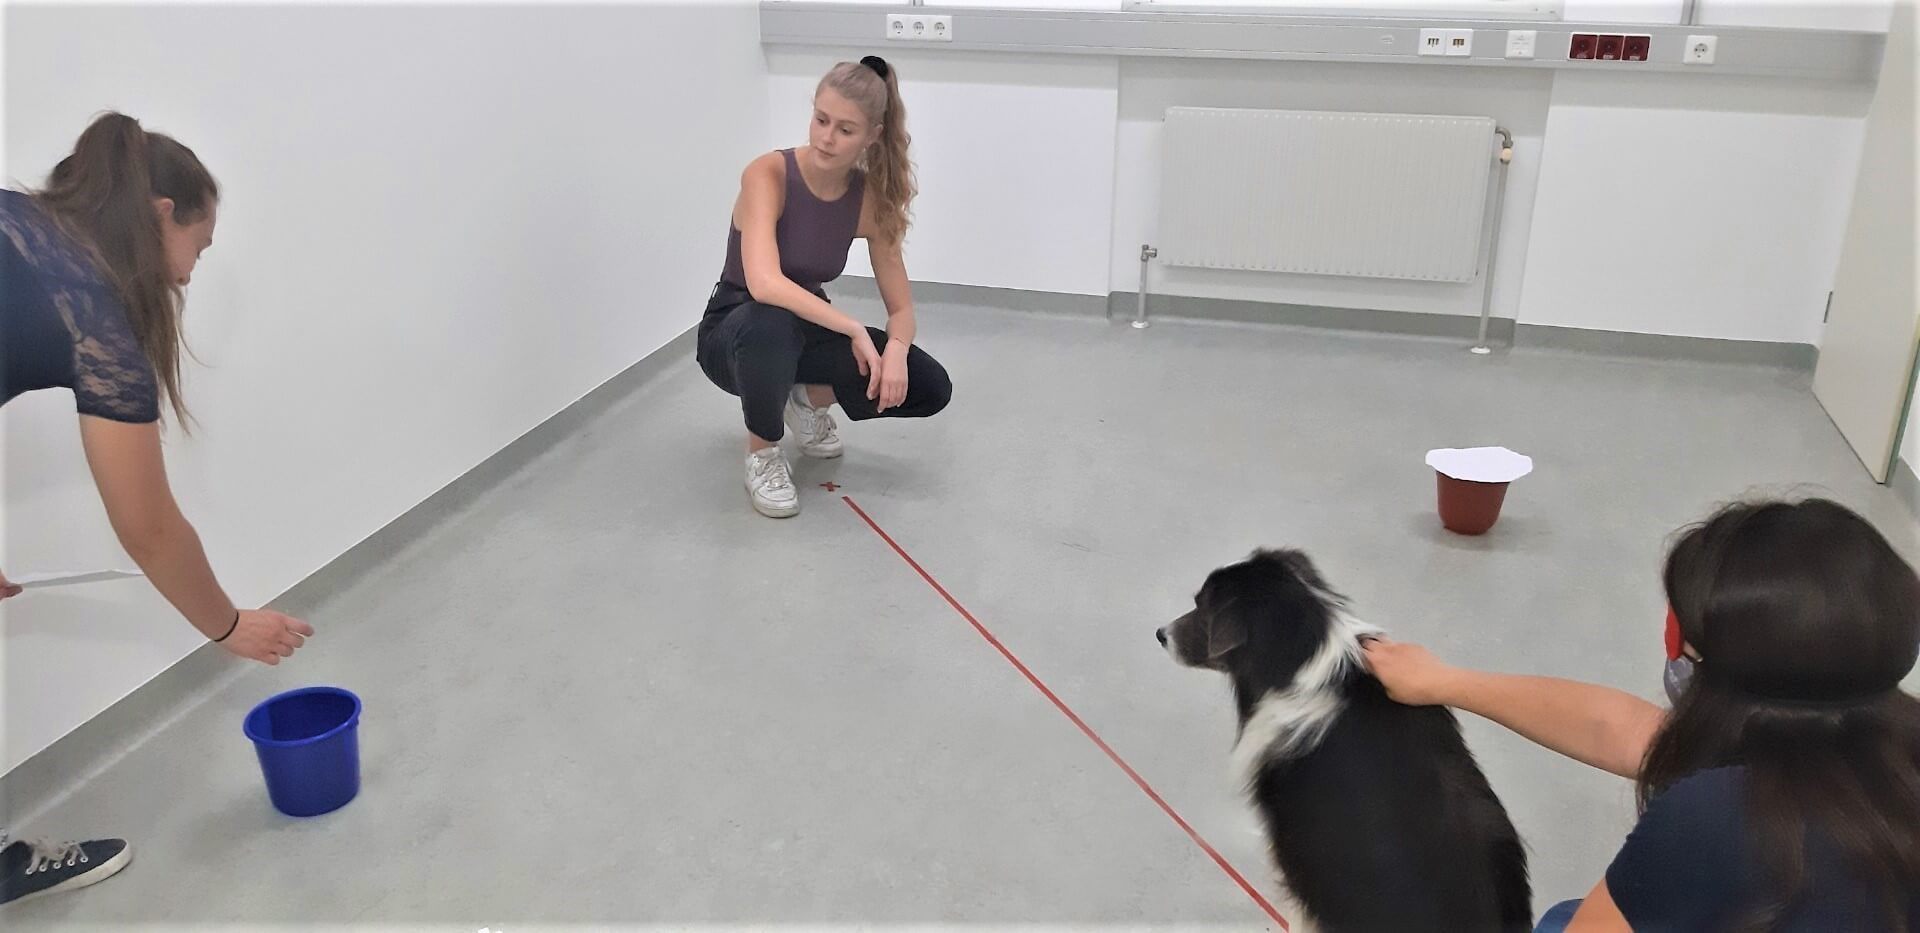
point(873, 86)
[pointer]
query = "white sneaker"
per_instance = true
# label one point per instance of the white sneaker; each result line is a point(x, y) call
point(770, 483)
point(812, 427)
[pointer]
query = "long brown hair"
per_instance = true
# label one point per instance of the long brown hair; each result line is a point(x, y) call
point(1806, 621)
point(102, 194)
point(890, 180)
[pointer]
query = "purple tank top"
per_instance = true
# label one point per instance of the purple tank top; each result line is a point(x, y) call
point(813, 235)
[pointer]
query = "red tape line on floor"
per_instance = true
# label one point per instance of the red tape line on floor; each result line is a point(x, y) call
point(1141, 782)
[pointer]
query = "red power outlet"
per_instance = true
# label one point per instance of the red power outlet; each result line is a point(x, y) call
point(1635, 49)
point(1609, 48)
point(1583, 46)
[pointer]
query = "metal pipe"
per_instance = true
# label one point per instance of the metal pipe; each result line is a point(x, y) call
point(1493, 241)
point(1140, 312)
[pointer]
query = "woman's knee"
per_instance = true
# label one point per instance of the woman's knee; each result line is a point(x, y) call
point(931, 386)
point(766, 327)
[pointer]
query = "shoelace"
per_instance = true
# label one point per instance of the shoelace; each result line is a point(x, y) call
point(48, 856)
point(820, 423)
point(776, 472)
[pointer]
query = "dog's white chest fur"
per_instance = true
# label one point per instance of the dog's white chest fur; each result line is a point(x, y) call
point(1289, 723)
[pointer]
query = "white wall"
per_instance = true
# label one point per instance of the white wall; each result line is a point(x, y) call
point(441, 225)
point(1623, 11)
point(1704, 208)
point(1867, 15)
point(1910, 440)
point(1870, 15)
point(1864, 15)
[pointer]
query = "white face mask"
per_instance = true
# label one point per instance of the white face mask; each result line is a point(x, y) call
point(1679, 675)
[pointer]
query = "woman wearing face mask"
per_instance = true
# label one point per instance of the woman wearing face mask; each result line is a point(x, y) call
point(769, 336)
point(91, 272)
point(1782, 791)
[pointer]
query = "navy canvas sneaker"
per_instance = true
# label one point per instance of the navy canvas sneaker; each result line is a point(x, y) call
point(32, 868)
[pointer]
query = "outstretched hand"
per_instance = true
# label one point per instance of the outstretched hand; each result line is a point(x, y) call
point(9, 589)
point(266, 636)
point(1411, 674)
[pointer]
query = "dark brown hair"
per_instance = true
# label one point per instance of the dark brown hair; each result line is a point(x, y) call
point(1806, 621)
point(889, 169)
point(103, 194)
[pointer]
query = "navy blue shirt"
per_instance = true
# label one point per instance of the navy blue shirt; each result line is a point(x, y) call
point(1690, 865)
point(63, 325)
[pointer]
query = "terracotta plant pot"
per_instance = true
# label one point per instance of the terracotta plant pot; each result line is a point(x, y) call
point(1467, 507)
point(1473, 484)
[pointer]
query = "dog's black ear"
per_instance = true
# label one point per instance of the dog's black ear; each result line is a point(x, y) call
point(1226, 630)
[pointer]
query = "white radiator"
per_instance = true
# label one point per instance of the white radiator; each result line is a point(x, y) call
point(1394, 196)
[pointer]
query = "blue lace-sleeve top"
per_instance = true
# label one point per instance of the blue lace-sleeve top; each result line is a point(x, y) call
point(63, 325)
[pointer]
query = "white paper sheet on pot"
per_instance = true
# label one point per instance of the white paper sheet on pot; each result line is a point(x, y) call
point(1480, 464)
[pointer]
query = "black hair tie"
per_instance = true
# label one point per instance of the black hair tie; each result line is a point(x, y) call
point(878, 64)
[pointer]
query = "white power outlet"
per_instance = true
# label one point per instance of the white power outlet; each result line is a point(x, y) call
point(1520, 42)
point(908, 27)
point(1700, 50)
point(1459, 42)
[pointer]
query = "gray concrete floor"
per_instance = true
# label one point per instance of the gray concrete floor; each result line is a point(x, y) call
point(610, 694)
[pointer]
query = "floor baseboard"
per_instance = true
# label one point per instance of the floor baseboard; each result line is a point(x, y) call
point(1501, 332)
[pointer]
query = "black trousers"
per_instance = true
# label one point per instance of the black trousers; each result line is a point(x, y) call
point(759, 352)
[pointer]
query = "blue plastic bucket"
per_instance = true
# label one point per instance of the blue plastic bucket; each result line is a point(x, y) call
point(309, 747)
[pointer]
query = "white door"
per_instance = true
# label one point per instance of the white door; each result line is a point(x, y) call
point(1865, 374)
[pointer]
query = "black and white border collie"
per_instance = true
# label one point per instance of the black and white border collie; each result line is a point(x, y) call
point(1376, 814)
